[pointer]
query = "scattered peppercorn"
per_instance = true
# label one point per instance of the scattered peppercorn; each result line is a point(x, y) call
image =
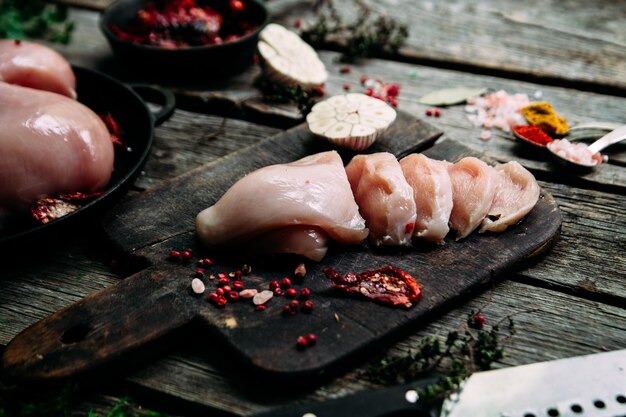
point(277, 291)
point(238, 275)
point(221, 301)
point(307, 306)
point(260, 307)
point(311, 339)
point(291, 293)
point(233, 295)
point(437, 112)
point(345, 69)
point(288, 311)
point(187, 255)
point(429, 112)
point(213, 296)
point(238, 285)
point(346, 87)
point(223, 281)
point(294, 304)
point(478, 321)
point(273, 285)
point(219, 291)
point(302, 342)
point(297, 23)
point(199, 273)
point(227, 289)
point(305, 293)
point(285, 283)
point(175, 255)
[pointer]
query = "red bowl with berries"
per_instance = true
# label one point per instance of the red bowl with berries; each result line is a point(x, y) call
point(183, 39)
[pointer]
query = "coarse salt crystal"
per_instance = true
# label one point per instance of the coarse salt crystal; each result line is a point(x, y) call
point(262, 297)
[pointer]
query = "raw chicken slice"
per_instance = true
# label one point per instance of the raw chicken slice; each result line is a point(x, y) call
point(310, 242)
point(432, 191)
point(313, 191)
point(33, 65)
point(516, 195)
point(49, 144)
point(384, 197)
point(474, 186)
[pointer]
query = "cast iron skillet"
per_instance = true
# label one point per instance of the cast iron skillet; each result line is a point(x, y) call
point(103, 95)
point(196, 63)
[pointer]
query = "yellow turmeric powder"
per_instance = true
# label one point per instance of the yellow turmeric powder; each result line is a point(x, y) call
point(543, 115)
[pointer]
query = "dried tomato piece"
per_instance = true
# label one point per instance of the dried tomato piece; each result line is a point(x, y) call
point(387, 285)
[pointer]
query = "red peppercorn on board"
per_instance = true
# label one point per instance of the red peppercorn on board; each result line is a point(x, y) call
point(300, 335)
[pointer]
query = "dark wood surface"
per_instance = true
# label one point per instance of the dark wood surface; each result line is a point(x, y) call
point(573, 297)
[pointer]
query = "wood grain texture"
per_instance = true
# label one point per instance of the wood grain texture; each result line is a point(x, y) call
point(574, 43)
point(543, 334)
point(577, 42)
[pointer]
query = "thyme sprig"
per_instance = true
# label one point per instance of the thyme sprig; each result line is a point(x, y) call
point(278, 93)
point(470, 348)
point(21, 19)
point(370, 34)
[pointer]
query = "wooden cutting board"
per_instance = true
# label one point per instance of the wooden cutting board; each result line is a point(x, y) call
point(107, 326)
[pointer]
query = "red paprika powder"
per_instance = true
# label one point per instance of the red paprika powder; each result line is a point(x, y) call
point(533, 134)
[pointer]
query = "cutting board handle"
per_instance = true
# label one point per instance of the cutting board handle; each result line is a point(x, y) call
point(102, 327)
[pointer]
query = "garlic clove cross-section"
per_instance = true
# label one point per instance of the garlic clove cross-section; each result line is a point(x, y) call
point(352, 121)
point(288, 60)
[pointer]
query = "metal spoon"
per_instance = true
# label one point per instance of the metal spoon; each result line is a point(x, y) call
point(610, 138)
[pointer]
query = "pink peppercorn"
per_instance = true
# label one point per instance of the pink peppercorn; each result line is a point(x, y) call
point(305, 293)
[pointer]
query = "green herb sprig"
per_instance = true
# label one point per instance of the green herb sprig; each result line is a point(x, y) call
point(466, 350)
point(370, 34)
point(303, 98)
point(21, 19)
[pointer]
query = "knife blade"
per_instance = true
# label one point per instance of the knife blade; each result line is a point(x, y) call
point(589, 386)
point(582, 386)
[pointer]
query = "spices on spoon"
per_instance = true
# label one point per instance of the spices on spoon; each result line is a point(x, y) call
point(543, 115)
point(575, 152)
point(533, 134)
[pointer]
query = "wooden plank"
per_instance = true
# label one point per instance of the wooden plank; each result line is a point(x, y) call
point(550, 332)
point(579, 44)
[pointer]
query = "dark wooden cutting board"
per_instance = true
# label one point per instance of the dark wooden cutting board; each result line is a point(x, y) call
point(109, 324)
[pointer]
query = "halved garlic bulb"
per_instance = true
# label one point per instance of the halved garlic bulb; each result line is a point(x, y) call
point(288, 59)
point(351, 121)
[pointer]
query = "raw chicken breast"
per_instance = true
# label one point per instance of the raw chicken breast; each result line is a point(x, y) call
point(432, 191)
point(313, 191)
point(474, 186)
point(308, 241)
point(49, 144)
point(33, 65)
point(384, 197)
point(516, 195)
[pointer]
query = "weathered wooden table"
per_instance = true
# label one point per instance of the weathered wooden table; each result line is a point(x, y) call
point(573, 53)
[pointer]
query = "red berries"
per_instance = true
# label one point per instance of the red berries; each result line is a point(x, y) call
point(305, 293)
point(175, 255)
point(303, 342)
point(307, 306)
point(478, 321)
point(291, 293)
point(238, 285)
point(433, 112)
point(285, 283)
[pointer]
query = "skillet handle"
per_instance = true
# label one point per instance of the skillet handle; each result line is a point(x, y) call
point(158, 95)
point(102, 327)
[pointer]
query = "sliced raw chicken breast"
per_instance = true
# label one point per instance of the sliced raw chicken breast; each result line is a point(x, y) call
point(432, 192)
point(384, 197)
point(313, 191)
point(516, 195)
point(49, 144)
point(33, 65)
point(474, 186)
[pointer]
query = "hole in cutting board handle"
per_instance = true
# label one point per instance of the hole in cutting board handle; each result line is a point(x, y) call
point(75, 334)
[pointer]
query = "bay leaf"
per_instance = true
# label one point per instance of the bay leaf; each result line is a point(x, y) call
point(449, 96)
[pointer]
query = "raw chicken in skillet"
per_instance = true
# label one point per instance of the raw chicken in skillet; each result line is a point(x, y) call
point(313, 191)
point(474, 185)
point(32, 65)
point(384, 197)
point(49, 144)
point(516, 195)
point(432, 191)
